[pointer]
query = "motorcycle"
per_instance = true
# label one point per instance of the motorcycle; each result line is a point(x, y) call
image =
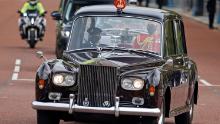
point(32, 27)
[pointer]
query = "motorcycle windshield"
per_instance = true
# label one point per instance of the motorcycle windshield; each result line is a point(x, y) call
point(32, 14)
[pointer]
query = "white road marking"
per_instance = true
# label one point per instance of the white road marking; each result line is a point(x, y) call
point(14, 76)
point(17, 69)
point(209, 86)
point(26, 80)
point(205, 82)
point(18, 62)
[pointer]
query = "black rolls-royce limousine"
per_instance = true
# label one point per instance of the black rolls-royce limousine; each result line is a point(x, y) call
point(120, 62)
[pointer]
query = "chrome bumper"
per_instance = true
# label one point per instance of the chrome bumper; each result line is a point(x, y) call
point(154, 112)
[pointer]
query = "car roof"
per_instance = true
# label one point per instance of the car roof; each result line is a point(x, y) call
point(129, 10)
point(94, 2)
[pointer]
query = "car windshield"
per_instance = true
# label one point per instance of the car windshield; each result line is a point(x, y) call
point(124, 32)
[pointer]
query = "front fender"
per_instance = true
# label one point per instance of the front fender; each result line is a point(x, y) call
point(45, 72)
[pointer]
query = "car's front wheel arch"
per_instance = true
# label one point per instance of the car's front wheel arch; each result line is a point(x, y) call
point(196, 89)
point(167, 101)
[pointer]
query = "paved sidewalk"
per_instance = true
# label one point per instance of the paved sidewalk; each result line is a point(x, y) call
point(202, 19)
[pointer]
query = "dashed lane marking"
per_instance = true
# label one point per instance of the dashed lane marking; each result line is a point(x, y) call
point(17, 69)
point(18, 62)
point(14, 76)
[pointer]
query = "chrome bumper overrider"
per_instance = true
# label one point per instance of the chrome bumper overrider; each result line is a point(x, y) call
point(155, 112)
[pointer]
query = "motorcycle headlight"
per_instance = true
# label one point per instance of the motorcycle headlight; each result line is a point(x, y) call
point(132, 84)
point(65, 33)
point(64, 79)
point(24, 14)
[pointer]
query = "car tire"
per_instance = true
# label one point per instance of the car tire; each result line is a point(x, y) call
point(32, 44)
point(187, 117)
point(159, 120)
point(47, 117)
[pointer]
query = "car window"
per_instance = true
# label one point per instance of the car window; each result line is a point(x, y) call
point(179, 37)
point(169, 39)
point(126, 32)
point(184, 38)
point(68, 12)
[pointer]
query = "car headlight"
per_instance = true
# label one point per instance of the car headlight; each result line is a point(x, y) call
point(65, 33)
point(64, 79)
point(132, 83)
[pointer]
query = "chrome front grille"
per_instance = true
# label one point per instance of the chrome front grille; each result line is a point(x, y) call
point(97, 86)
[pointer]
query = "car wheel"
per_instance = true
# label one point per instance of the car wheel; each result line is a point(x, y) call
point(47, 117)
point(187, 117)
point(32, 43)
point(159, 120)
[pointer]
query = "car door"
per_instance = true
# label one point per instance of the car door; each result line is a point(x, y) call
point(170, 53)
point(182, 82)
point(178, 73)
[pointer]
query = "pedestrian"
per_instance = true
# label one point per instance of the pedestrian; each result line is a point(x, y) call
point(211, 8)
point(140, 2)
point(160, 3)
point(147, 3)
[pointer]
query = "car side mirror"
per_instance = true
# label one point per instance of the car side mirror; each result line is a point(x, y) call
point(56, 15)
point(40, 55)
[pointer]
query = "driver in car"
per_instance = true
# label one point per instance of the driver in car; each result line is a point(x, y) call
point(94, 35)
point(150, 41)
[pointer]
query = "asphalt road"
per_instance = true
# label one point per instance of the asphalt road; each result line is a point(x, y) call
point(17, 59)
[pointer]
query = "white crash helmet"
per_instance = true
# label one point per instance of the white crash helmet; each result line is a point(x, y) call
point(33, 2)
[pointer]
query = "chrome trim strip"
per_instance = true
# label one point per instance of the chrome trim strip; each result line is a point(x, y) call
point(117, 100)
point(71, 105)
point(155, 112)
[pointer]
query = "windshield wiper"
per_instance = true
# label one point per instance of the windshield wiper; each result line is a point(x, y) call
point(144, 51)
point(115, 49)
point(81, 50)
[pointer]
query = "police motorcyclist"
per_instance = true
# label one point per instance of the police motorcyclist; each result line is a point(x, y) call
point(32, 5)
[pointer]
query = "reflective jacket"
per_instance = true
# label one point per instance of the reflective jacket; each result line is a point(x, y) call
point(39, 7)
